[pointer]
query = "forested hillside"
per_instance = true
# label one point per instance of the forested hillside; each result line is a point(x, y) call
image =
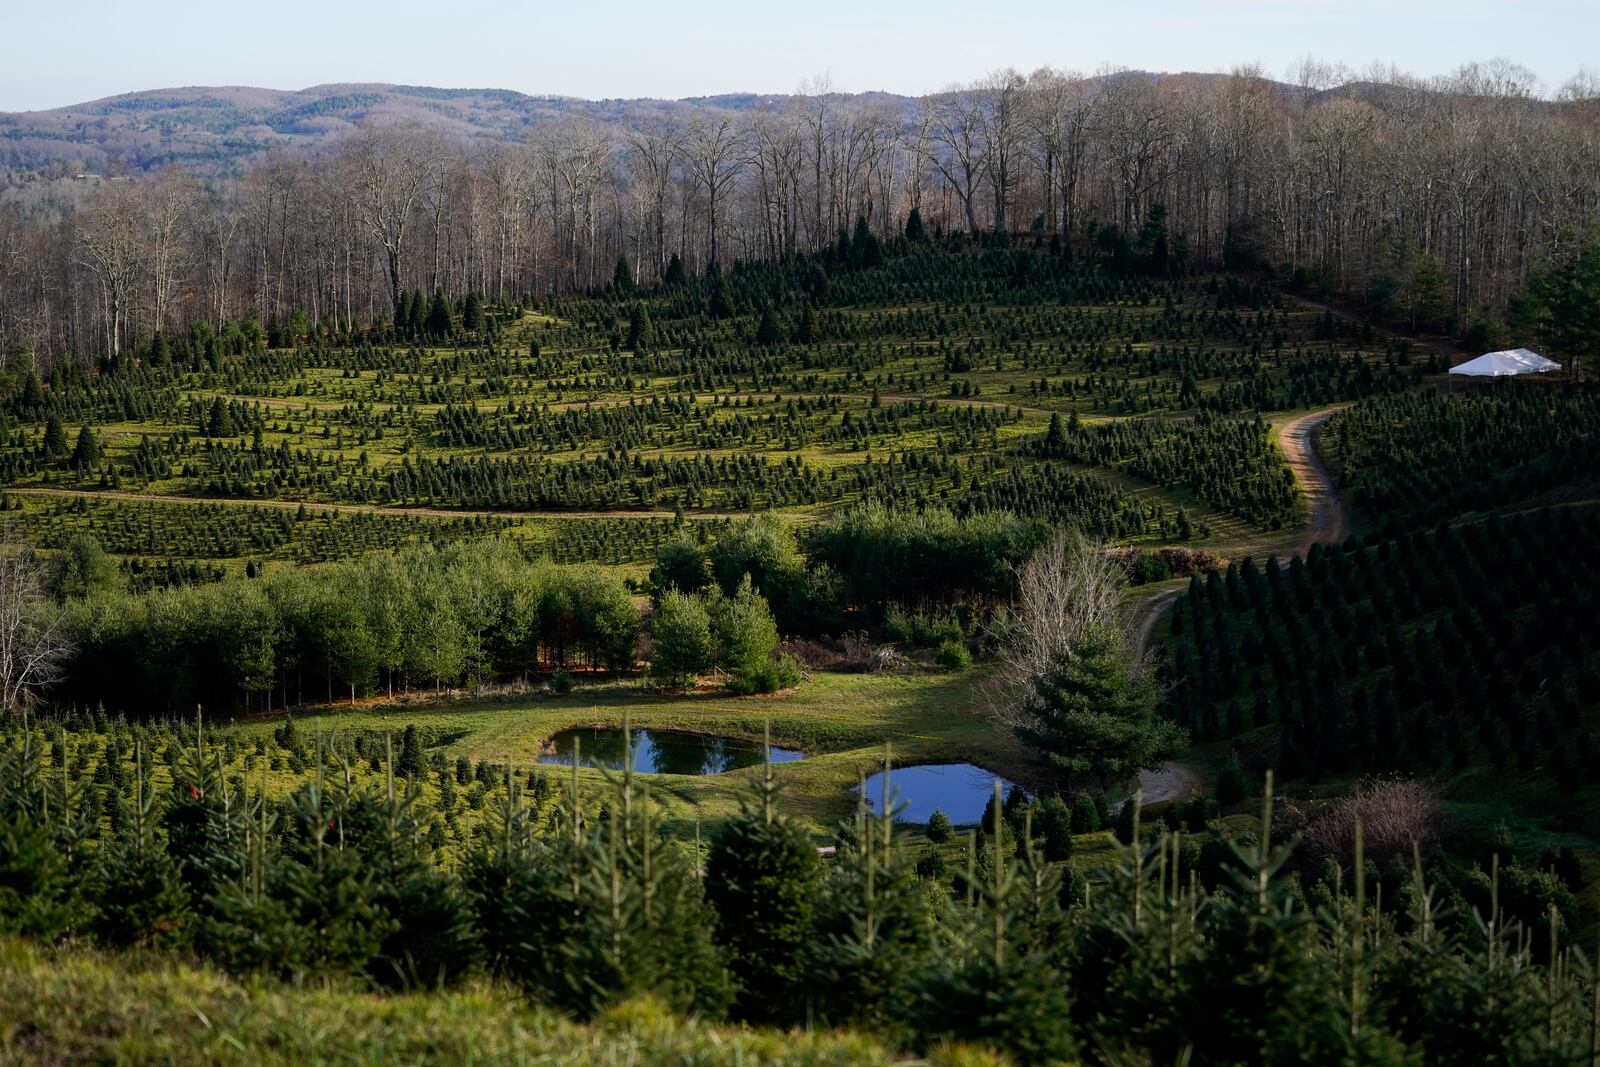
point(1433, 203)
point(1002, 577)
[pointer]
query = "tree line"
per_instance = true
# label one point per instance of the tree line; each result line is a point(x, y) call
point(1436, 200)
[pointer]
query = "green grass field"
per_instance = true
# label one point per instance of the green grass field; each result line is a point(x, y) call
point(844, 723)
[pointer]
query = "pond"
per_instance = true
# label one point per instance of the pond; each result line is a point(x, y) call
point(661, 751)
point(960, 790)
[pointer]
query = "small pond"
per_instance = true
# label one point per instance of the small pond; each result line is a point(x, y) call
point(960, 790)
point(661, 751)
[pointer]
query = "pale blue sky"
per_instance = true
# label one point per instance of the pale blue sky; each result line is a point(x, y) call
point(70, 51)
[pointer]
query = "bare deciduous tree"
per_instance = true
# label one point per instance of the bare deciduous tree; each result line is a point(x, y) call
point(33, 649)
point(391, 167)
point(1068, 586)
point(715, 151)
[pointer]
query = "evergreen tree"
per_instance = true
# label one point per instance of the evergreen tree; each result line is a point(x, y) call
point(622, 277)
point(674, 274)
point(1054, 826)
point(874, 936)
point(417, 315)
point(641, 331)
point(472, 313)
point(761, 879)
point(411, 766)
point(1565, 300)
point(1094, 712)
point(37, 885)
point(86, 453)
point(745, 635)
point(137, 894)
point(438, 323)
point(768, 332)
point(865, 250)
point(939, 828)
point(219, 420)
point(431, 941)
point(682, 645)
point(721, 306)
point(1004, 987)
point(914, 228)
point(54, 443)
point(809, 328)
point(681, 565)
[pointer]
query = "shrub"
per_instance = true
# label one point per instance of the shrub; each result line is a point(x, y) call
point(1393, 814)
point(954, 655)
point(1233, 783)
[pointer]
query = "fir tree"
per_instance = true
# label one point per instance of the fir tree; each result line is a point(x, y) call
point(914, 228)
point(438, 324)
point(761, 878)
point(472, 313)
point(809, 328)
point(674, 274)
point(721, 306)
point(36, 884)
point(865, 251)
point(874, 935)
point(411, 766)
point(1094, 712)
point(137, 893)
point(219, 420)
point(768, 332)
point(86, 453)
point(622, 276)
point(431, 941)
point(641, 331)
point(54, 443)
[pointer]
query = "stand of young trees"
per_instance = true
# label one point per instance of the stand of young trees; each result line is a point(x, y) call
point(1183, 946)
point(1438, 200)
point(420, 616)
point(1467, 646)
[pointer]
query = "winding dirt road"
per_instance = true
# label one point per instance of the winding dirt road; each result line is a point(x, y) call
point(1176, 781)
point(1326, 513)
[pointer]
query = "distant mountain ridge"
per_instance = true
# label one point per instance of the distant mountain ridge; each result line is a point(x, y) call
point(220, 129)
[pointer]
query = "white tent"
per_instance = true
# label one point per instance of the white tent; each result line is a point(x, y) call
point(1501, 364)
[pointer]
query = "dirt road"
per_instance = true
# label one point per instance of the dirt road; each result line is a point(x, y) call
point(1172, 780)
point(1326, 512)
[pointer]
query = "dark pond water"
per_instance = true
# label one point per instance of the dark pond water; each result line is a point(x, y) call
point(661, 751)
point(960, 790)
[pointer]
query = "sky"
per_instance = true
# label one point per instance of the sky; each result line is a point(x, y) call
point(71, 51)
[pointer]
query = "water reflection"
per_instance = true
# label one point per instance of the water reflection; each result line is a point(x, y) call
point(661, 751)
point(960, 790)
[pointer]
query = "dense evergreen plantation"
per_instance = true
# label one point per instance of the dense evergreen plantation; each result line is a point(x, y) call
point(732, 546)
point(1411, 460)
point(578, 900)
point(915, 373)
point(1475, 645)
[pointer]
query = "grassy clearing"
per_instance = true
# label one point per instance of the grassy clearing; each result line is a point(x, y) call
point(72, 1007)
point(841, 721)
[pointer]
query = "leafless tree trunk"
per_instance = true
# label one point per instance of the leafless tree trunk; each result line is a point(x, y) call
point(1066, 587)
point(391, 166)
point(33, 648)
point(715, 151)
